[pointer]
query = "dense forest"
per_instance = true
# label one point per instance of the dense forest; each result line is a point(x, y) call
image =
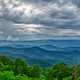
point(18, 70)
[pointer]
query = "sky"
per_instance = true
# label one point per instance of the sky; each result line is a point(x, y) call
point(39, 19)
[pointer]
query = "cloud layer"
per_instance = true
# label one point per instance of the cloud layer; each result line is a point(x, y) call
point(28, 12)
point(39, 18)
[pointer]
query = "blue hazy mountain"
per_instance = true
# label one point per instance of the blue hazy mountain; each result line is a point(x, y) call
point(43, 52)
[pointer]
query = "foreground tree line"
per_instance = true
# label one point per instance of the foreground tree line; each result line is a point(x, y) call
point(18, 70)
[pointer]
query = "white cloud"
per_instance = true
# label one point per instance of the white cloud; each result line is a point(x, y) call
point(19, 11)
point(46, 31)
point(69, 32)
point(1, 32)
point(33, 20)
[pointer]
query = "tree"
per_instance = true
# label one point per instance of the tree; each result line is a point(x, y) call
point(5, 60)
point(19, 66)
point(35, 71)
point(75, 73)
point(19, 77)
point(7, 75)
point(58, 71)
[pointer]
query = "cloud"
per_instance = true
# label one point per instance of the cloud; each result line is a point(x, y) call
point(38, 19)
point(46, 31)
point(20, 12)
point(34, 31)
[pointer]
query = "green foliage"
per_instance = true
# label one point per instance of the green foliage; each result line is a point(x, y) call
point(7, 75)
point(19, 67)
point(75, 73)
point(35, 71)
point(59, 72)
point(5, 60)
point(68, 78)
point(19, 70)
point(19, 77)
